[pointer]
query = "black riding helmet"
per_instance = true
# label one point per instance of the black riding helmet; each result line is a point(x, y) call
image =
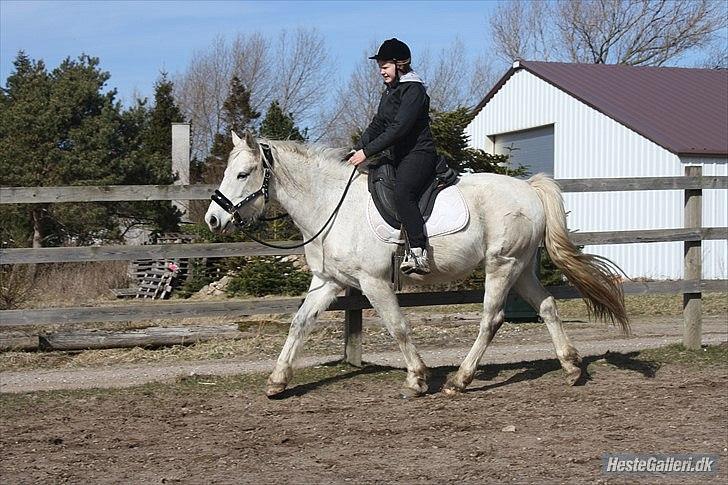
point(392, 50)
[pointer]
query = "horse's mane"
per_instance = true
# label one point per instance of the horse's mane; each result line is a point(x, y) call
point(326, 161)
point(319, 154)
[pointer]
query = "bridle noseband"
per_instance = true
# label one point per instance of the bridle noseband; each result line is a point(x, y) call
point(232, 209)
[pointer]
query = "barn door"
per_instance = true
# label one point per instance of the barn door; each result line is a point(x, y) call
point(532, 148)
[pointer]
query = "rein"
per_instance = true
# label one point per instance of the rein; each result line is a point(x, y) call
point(227, 205)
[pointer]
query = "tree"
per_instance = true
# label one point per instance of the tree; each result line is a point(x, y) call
point(448, 130)
point(635, 32)
point(278, 126)
point(288, 68)
point(59, 128)
point(237, 115)
point(148, 134)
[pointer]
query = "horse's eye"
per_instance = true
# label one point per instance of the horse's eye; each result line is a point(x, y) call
point(242, 176)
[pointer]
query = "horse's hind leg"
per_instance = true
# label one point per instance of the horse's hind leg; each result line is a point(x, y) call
point(531, 290)
point(385, 303)
point(501, 272)
point(320, 295)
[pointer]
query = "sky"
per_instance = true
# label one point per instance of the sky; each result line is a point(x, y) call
point(136, 40)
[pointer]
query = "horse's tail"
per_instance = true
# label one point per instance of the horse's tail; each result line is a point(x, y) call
point(596, 277)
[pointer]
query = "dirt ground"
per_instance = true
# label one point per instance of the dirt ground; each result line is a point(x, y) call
point(197, 414)
point(517, 423)
point(338, 425)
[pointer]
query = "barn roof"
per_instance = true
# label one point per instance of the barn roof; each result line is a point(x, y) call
point(683, 110)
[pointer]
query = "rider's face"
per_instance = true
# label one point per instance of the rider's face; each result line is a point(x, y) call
point(388, 70)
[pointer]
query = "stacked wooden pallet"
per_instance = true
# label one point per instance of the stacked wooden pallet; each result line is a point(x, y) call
point(157, 281)
point(156, 278)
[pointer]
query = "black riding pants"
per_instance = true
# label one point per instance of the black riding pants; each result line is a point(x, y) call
point(414, 173)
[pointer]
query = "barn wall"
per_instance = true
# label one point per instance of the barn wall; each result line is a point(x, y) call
point(588, 144)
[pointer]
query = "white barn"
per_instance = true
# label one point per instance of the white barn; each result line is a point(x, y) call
point(596, 120)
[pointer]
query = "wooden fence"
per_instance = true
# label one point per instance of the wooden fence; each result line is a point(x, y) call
point(692, 235)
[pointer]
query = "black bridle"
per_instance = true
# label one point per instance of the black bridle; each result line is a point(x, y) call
point(232, 209)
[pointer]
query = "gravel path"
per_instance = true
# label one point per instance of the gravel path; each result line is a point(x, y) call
point(593, 342)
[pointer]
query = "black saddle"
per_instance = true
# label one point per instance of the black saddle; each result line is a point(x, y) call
point(381, 186)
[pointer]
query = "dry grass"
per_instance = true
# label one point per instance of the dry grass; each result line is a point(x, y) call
point(62, 284)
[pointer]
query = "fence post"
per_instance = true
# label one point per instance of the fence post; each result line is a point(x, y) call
point(181, 162)
point(692, 302)
point(352, 332)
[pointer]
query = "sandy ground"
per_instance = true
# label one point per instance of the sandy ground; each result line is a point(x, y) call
point(443, 341)
point(207, 421)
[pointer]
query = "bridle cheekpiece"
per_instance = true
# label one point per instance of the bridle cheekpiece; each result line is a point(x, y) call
point(232, 209)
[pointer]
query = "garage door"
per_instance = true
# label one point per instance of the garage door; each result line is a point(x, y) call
point(534, 149)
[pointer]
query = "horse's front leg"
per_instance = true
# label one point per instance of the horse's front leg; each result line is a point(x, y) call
point(384, 301)
point(320, 295)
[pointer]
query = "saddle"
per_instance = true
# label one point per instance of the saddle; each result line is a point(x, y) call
point(381, 187)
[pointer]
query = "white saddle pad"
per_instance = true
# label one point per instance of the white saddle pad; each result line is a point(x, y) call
point(450, 214)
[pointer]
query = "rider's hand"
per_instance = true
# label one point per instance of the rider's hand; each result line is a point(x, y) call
point(357, 158)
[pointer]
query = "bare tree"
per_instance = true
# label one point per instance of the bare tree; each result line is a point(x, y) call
point(355, 104)
point(453, 79)
point(288, 71)
point(636, 32)
point(302, 62)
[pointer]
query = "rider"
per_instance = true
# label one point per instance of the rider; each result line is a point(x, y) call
point(402, 124)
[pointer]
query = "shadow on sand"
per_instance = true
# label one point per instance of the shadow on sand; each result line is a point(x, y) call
point(525, 371)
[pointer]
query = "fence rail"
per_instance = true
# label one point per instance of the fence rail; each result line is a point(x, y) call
point(176, 310)
point(692, 235)
point(115, 193)
point(223, 250)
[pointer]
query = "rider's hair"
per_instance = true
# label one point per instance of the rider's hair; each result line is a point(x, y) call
point(404, 66)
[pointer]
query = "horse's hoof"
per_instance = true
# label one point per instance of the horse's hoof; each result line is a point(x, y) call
point(573, 377)
point(451, 390)
point(409, 393)
point(274, 390)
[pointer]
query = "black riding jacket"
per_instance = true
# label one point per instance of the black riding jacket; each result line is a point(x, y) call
point(402, 122)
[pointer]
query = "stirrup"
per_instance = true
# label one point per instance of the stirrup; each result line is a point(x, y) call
point(415, 262)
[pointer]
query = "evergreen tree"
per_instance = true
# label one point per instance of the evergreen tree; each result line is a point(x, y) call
point(58, 128)
point(237, 116)
point(149, 130)
point(279, 126)
point(448, 130)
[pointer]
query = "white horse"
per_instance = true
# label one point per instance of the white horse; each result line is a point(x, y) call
point(509, 218)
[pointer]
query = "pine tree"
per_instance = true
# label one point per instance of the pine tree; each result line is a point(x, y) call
point(237, 116)
point(59, 128)
point(279, 126)
point(448, 130)
point(150, 131)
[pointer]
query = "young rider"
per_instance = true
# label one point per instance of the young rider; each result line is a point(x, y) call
point(402, 124)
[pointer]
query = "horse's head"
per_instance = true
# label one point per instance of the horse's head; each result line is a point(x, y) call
point(244, 187)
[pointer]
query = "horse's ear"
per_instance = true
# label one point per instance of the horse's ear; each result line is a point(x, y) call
point(236, 139)
point(250, 140)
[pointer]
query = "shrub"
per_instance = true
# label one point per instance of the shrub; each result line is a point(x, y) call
point(268, 276)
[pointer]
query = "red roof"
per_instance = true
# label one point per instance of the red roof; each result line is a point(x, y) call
point(682, 110)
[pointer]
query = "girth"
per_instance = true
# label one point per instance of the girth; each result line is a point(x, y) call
point(381, 186)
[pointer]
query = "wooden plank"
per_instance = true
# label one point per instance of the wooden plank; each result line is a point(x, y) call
point(233, 309)
point(147, 311)
point(353, 332)
point(147, 337)
point(648, 235)
point(109, 193)
point(643, 183)
point(222, 250)
point(157, 251)
point(693, 264)
point(18, 341)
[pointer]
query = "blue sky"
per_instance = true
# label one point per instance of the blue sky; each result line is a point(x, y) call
point(135, 40)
